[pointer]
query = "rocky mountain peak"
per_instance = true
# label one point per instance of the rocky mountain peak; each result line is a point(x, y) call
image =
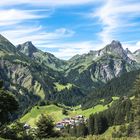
point(114, 48)
point(27, 48)
point(137, 52)
point(28, 43)
point(128, 51)
point(115, 45)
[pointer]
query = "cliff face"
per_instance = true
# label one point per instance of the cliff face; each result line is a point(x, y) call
point(98, 67)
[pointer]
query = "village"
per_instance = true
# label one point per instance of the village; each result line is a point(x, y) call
point(73, 121)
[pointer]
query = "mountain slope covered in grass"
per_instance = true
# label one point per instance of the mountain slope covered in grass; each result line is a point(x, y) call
point(33, 75)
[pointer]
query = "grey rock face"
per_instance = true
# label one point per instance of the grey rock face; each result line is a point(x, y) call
point(101, 66)
point(44, 58)
point(27, 48)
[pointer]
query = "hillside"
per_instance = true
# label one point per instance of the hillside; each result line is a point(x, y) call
point(29, 76)
point(56, 111)
point(120, 86)
point(33, 75)
point(45, 58)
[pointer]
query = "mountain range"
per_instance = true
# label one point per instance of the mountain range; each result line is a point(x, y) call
point(34, 75)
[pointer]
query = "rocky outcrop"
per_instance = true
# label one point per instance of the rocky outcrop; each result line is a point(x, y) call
point(44, 58)
point(97, 67)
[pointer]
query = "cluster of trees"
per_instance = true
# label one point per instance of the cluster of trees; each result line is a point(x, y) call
point(80, 130)
point(69, 97)
point(118, 113)
point(17, 131)
point(65, 112)
point(8, 105)
point(133, 128)
point(45, 127)
point(119, 86)
point(122, 112)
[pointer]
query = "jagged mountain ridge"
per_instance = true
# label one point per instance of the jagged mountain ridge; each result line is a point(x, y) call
point(98, 67)
point(32, 73)
point(45, 58)
point(90, 70)
point(29, 80)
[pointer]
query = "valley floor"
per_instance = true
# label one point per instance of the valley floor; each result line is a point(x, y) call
point(56, 111)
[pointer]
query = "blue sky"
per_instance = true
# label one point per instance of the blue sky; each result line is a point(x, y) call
point(66, 28)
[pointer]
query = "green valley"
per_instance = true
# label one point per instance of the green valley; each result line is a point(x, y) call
point(56, 111)
point(90, 96)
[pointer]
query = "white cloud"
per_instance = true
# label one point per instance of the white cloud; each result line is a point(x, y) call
point(114, 15)
point(40, 36)
point(68, 50)
point(14, 16)
point(132, 46)
point(46, 2)
point(37, 35)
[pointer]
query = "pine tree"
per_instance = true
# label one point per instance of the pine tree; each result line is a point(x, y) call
point(8, 105)
point(136, 107)
point(98, 124)
point(91, 124)
point(82, 130)
point(45, 126)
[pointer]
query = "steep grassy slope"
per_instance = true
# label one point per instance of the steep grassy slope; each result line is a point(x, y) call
point(29, 80)
point(120, 86)
point(33, 115)
point(34, 75)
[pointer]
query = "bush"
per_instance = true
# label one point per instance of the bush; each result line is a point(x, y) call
point(64, 112)
point(15, 132)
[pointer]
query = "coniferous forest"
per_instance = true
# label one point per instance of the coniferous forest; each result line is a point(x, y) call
point(124, 112)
